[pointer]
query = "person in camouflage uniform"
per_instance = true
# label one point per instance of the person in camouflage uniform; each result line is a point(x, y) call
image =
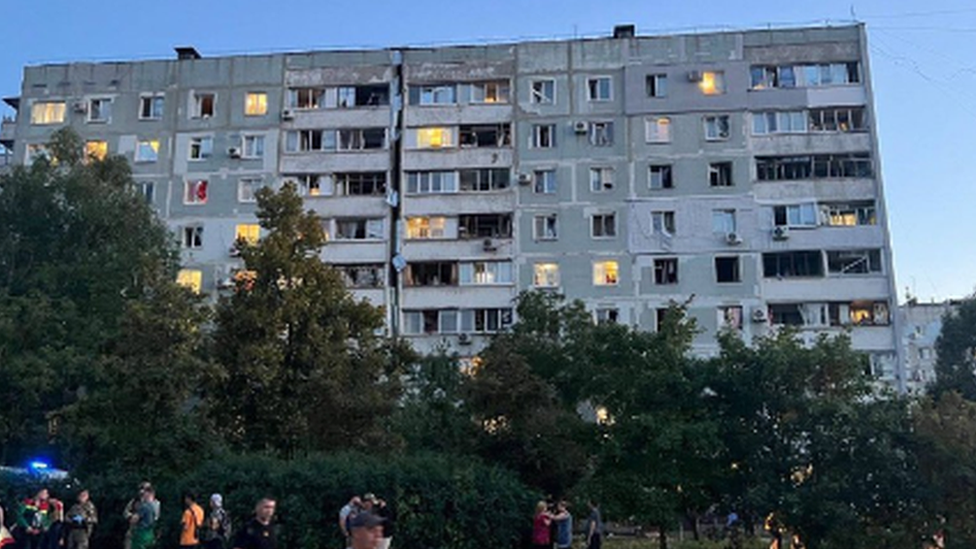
point(81, 520)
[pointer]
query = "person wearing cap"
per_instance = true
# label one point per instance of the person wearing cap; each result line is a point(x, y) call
point(259, 532)
point(365, 531)
point(218, 524)
point(82, 518)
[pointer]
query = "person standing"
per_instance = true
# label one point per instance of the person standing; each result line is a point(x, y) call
point(365, 531)
point(82, 518)
point(33, 520)
point(131, 513)
point(53, 537)
point(564, 525)
point(348, 511)
point(218, 524)
point(541, 538)
point(191, 522)
point(594, 527)
point(259, 532)
point(144, 520)
point(6, 538)
point(385, 512)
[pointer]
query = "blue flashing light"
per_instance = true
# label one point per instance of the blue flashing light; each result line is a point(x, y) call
point(38, 465)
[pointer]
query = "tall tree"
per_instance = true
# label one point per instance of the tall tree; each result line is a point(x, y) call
point(955, 367)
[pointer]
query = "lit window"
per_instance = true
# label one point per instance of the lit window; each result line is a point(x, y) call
point(96, 150)
point(435, 138)
point(247, 232)
point(712, 82)
point(605, 273)
point(657, 129)
point(147, 151)
point(151, 107)
point(256, 104)
point(190, 278)
point(599, 89)
point(311, 184)
point(193, 237)
point(490, 92)
point(425, 227)
point(717, 127)
point(204, 105)
point(201, 148)
point(100, 110)
point(253, 146)
point(546, 275)
point(47, 112)
point(195, 192)
point(306, 98)
point(544, 92)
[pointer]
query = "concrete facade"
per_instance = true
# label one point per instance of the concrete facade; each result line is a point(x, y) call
point(921, 325)
point(737, 172)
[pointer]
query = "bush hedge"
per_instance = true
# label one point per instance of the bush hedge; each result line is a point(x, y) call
point(439, 502)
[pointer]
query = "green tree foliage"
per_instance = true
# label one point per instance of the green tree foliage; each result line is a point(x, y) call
point(302, 366)
point(955, 367)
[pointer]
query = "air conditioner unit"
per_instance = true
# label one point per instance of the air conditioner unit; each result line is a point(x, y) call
point(781, 233)
point(759, 315)
point(80, 107)
point(234, 252)
point(287, 114)
point(694, 76)
point(489, 245)
point(234, 152)
point(581, 126)
point(733, 239)
point(464, 339)
point(524, 178)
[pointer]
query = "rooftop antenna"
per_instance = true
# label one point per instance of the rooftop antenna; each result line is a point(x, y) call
point(853, 13)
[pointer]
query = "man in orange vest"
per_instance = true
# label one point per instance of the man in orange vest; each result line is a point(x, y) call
point(192, 521)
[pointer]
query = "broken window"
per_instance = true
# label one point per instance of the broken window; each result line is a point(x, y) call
point(603, 225)
point(662, 222)
point(795, 215)
point(767, 122)
point(358, 228)
point(793, 264)
point(606, 315)
point(730, 317)
point(545, 275)
point(838, 119)
point(147, 151)
point(545, 227)
point(601, 134)
point(485, 226)
point(544, 181)
point(431, 273)
point(846, 262)
point(360, 183)
point(666, 270)
point(368, 275)
point(727, 269)
point(151, 107)
point(193, 237)
point(786, 314)
point(425, 227)
point(201, 148)
point(657, 129)
point(850, 214)
point(47, 112)
point(432, 182)
point(601, 179)
point(544, 92)
point(362, 139)
point(306, 98)
point(195, 192)
point(100, 109)
point(657, 85)
point(717, 127)
point(720, 174)
point(599, 88)
point(348, 97)
point(435, 138)
point(306, 140)
point(543, 136)
point(496, 91)
point(486, 273)
point(204, 104)
point(433, 94)
point(310, 184)
point(660, 177)
point(486, 135)
point(253, 146)
point(860, 313)
point(804, 75)
point(485, 179)
point(821, 166)
point(605, 273)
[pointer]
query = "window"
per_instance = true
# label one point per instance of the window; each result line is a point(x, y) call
point(605, 273)
point(601, 179)
point(727, 269)
point(485, 135)
point(545, 275)
point(717, 127)
point(147, 151)
point(601, 134)
point(544, 92)
point(485, 320)
point(767, 122)
point(247, 232)
point(545, 227)
point(311, 184)
point(662, 223)
point(787, 314)
point(657, 129)
point(842, 119)
point(603, 225)
point(151, 107)
point(723, 221)
point(712, 83)
point(100, 109)
point(432, 182)
point(362, 139)
point(606, 315)
point(36, 151)
point(360, 183)
point(147, 190)
point(730, 317)
point(348, 97)
point(193, 237)
point(422, 322)
point(720, 174)
point(425, 227)
point(204, 105)
point(369, 275)
point(433, 94)
point(666, 271)
point(485, 226)
point(850, 214)
point(486, 273)
point(848, 262)
point(190, 278)
point(485, 179)
point(431, 273)
point(306, 140)
point(543, 136)
point(490, 92)
point(256, 104)
point(358, 228)
point(806, 75)
point(599, 89)
point(859, 313)
point(657, 85)
point(246, 189)
point(47, 112)
point(795, 215)
point(435, 138)
point(253, 146)
point(201, 148)
point(660, 177)
point(820, 166)
point(544, 182)
point(306, 98)
point(195, 192)
point(96, 150)
point(793, 264)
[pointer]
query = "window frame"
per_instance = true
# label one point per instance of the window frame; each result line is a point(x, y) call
point(656, 137)
point(549, 221)
point(653, 87)
point(590, 89)
point(606, 222)
point(263, 105)
point(534, 98)
point(603, 277)
point(668, 176)
point(152, 98)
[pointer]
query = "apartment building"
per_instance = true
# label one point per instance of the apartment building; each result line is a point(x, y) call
point(737, 172)
point(921, 326)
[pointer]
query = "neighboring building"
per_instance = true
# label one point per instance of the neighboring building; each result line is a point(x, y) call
point(921, 324)
point(737, 171)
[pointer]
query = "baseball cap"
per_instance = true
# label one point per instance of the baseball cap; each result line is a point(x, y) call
point(365, 520)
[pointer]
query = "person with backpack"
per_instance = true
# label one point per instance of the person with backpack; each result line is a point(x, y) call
point(218, 528)
point(191, 522)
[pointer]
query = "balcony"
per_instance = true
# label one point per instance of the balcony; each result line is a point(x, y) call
point(8, 131)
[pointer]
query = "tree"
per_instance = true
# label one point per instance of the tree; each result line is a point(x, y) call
point(955, 367)
point(301, 364)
